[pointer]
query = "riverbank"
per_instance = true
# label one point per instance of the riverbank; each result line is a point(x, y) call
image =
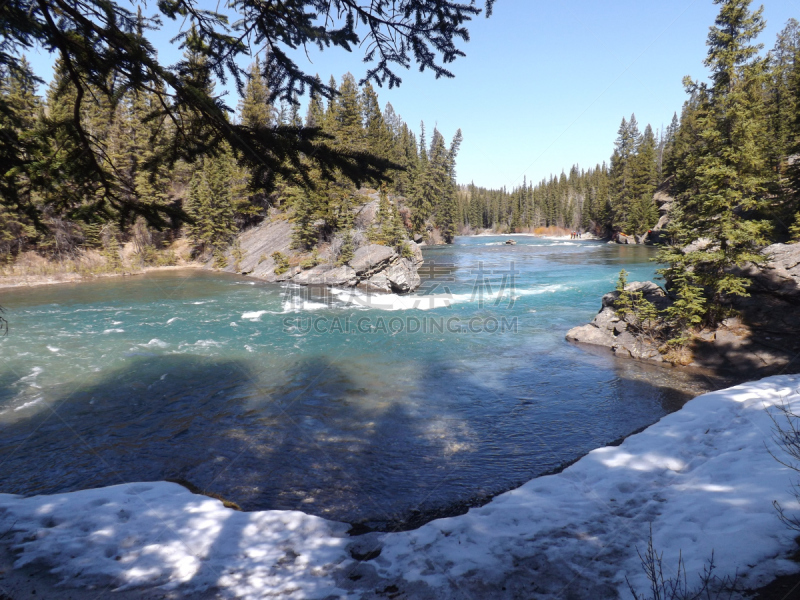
point(37, 280)
point(702, 477)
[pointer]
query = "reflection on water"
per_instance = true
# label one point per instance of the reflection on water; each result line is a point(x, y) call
point(194, 376)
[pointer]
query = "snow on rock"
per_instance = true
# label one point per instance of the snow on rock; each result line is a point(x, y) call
point(703, 477)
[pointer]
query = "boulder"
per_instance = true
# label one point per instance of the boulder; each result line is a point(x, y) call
point(314, 276)
point(606, 319)
point(341, 276)
point(698, 244)
point(371, 259)
point(625, 239)
point(288, 274)
point(608, 330)
point(377, 283)
point(589, 334)
point(402, 276)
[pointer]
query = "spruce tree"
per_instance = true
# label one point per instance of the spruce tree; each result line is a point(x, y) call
point(19, 150)
point(255, 109)
point(724, 200)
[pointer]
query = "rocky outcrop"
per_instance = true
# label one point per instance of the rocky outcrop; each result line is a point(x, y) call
point(373, 268)
point(609, 330)
point(256, 246)
point(403, 276)
point(371, 259)
point(763, 339)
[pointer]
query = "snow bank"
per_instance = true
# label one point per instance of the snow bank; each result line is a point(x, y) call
point(160, 534)
point(702, 476)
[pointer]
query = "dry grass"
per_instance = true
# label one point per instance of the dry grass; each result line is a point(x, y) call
point(552, 231)
point(31, 268)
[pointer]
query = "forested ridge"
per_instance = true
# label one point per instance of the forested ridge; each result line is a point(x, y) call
point(125, 147)
point(216, 195)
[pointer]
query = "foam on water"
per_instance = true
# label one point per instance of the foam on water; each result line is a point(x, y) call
point(254, 315)
point(155, 342)
point(33, 402)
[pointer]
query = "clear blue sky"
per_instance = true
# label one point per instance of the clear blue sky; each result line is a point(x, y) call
point(544, 85)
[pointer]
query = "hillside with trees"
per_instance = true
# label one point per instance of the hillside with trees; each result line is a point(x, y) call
point(125, 148)
point(209, 200)
point(611, 197)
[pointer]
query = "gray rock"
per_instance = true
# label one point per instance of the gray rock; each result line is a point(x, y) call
point(698, 244)
point(371, 259)
point(288, 274)
point(417, 250)
point(662, 222)
point(402, 276)
point(376, 283)
point(314, 276)
point(628, 344)
point(589, 334)
point(625, 239)
point(606, 319)
point(608, 330)
point(341, 276)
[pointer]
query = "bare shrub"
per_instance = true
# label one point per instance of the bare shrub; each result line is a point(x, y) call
point(711, 587)
point(786, 434)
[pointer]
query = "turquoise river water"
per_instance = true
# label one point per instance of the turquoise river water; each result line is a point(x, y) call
point(382, 411)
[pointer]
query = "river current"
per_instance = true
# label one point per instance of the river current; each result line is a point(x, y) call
point(382, 411)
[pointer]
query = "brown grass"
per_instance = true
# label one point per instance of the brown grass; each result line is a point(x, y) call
point(552, 231)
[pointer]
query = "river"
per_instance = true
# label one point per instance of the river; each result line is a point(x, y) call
point(381, 411)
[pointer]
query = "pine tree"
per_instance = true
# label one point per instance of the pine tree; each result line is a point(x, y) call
point(18, 150)
point(347, 123)
point(255, 109)
point(731, 175)
point(377, 134)
point(621, 166)
point(210, 205)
